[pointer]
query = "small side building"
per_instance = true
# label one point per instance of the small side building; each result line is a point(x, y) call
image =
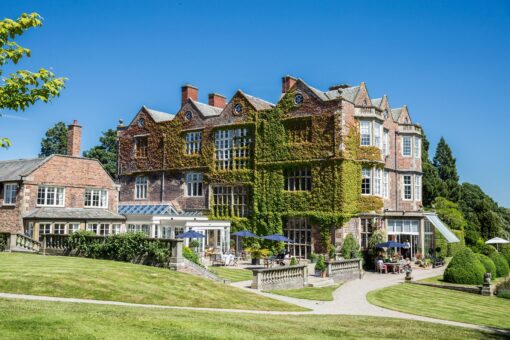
point(58, 194)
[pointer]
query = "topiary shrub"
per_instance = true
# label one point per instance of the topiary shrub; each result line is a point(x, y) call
point(499, 260)
point(465, 267)
point(320, 266)
point(488, 249)
point(293, 261)
point(488, 264)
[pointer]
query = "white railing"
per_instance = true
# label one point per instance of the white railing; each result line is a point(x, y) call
point(286, 277)
point(367, 112)
point(345, 269)
point(409, 128)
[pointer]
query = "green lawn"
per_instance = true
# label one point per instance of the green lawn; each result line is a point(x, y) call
point(444, 304)
point(119, 281)
point(234, 275)
point(34, 320)
point(309, 293)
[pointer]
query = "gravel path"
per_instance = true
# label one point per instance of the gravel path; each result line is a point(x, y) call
point(349, 299)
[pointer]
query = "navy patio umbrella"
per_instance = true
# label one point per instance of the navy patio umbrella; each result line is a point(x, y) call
point(277, 237)
point(190, 234)
point(242, 233)
point(390, 244)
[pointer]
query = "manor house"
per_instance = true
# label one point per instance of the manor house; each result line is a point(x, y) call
point(315, 166)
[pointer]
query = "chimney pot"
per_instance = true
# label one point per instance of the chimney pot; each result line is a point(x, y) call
point(188, 92)
point(74, 139)
point(287, 83)
point(217, 100)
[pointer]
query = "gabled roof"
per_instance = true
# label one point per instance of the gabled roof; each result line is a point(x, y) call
point(154, 209)
point(158, 116)
point(14, 169)
point(206, 110)
point(257, 103)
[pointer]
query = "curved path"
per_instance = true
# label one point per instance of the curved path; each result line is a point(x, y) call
point(349, 299)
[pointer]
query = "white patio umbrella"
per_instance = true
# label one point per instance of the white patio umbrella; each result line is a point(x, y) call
point(497, 241)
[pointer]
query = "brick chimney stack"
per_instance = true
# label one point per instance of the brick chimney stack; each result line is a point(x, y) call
point(74, 139)
point(189, 92)
point(287, 83)
point(217, 100)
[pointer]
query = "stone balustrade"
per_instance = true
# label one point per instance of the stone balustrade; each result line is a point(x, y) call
point(344, 270)
point(286, 277)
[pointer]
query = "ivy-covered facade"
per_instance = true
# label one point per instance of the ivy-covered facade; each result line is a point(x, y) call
point(315, 166)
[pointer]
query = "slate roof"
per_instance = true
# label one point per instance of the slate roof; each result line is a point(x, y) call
point(349, 93)
point(396, 113)
point(74, 214)
point(13, 170)
point(258, 104)
point(207, 110)
point(159, 116)
point(377, 102)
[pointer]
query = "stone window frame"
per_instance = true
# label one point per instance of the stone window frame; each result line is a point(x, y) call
point(102, 200)
point(417, 147)
point(407, 195)
point(365, 130)
point(10, 200)
point(193, 142)
point(298, 179)
point(366, 181)
point(139, 228)
point(71, 229)
point(386, 142)
point(194, 184)
point(60, 228)
point(385, 184)
point(48, 229)
point(407, 146)
point(56, 196)
point(377, 180)
point(141, 191)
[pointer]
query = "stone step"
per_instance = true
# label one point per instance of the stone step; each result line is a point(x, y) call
point(321, 282)
point(22, 250)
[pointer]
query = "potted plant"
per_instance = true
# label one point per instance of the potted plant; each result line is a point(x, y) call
point(293, 261)
point(255, 253)
point(313, 258)
point(320, 266)
point(193, 244)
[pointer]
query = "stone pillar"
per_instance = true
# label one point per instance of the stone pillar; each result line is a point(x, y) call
point(176, 259)
point(12, 242)
point(486, 288)
point(422, 237)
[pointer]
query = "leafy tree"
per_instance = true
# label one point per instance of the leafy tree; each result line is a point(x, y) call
point(23, 88)
point(449, 213)
point(446, 167)
point(106, 152)
point(432, 185)
point(55, 141)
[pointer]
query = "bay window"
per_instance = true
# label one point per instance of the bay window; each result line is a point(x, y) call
point(385, 192)
point(366, 132)
point(377, 135)
point(406, 146)
point(407, 187)
point(386, 145)
point(366, 178)
point(378, 181)
point(417, 187)
point(50, 196)
point(417, 147)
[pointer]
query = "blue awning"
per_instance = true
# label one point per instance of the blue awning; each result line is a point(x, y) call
point(441, 227)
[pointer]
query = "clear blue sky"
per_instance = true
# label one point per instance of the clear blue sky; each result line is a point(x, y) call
point(449, 61)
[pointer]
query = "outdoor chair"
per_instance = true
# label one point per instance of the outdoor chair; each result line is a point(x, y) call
point(381, 267)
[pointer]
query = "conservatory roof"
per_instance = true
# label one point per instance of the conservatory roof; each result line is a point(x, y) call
point(153, 209)
point(442, 228)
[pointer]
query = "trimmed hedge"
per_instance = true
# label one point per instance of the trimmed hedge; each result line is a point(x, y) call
point(502, 268)
point(465, 267)
point(489, 265)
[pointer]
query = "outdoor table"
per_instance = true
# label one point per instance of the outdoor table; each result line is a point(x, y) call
point(393, 266)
